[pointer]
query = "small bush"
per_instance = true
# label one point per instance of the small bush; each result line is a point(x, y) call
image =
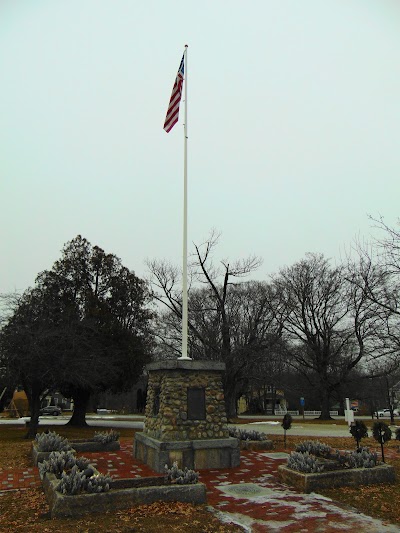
point(51, 441)
point(98, 483)
point(308, 463)
point(358, 431)
point(304, 462)
point(105, 437)
point(57, 463)
point(72, 482)
point(341, 459)
point(180, 477)
point(286, 424)
point(397, 433)
point(362, 458)
point(243, 434)
point(287, 421)
point(381, 433)
point(313, 447)
point(76, 481)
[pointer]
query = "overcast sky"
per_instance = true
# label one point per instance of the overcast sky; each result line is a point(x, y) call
point(293, 122)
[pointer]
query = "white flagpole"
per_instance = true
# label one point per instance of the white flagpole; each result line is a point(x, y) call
point(184, 275)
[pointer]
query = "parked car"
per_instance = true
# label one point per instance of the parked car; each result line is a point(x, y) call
point(386, 412)
point(50, 410)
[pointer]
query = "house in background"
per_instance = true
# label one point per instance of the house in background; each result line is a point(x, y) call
point(56, 398)
point(264, 400)
point(130, 402)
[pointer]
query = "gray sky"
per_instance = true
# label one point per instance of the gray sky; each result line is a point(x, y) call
point(294, 112)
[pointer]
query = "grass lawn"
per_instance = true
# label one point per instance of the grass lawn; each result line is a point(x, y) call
point(27, 510)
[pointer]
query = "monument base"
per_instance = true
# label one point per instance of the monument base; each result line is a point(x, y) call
point(193, 454)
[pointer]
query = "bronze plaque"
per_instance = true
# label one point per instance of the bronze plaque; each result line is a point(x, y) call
point(196, 403)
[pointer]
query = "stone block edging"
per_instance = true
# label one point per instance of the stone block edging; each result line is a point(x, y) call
point(95, 446)
point(256, 445)
point(39, 457)
point(337, 478)
point(194, 454)
point(82, 445)
point(124, 493)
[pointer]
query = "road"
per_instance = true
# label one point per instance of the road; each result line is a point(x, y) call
point(271, 427)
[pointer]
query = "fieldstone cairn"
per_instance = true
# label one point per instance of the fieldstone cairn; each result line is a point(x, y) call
point(185, 417)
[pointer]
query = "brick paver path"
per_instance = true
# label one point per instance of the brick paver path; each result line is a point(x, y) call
point(250, 495)
point(18, 478)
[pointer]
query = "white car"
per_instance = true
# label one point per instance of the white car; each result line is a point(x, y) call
point(386, 412)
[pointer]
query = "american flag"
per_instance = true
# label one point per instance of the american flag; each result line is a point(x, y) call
point(173, 108)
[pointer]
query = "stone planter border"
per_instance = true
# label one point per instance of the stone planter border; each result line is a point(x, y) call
point(80, 445)
point(256, 445)
point(125, 493)
point(39, 457)
point(84, 445)
point(337, 478)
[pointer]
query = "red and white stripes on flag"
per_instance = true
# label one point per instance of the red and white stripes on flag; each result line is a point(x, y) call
point(173, 108)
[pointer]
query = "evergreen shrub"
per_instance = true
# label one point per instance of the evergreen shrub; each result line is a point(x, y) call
point(180, 477)
point(51, 441)
point(244, 434)
point(105, 437)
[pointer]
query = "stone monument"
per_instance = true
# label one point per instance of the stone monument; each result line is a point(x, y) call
point(185, 417)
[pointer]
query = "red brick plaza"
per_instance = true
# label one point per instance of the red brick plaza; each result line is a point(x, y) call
point(250, 495)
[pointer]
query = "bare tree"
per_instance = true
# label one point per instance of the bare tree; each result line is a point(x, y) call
point(378, 275)
point(229, 320)
point(329, 321)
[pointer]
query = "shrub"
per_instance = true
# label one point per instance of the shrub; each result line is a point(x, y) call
point(105, 437)
point(362, 458)
point(308, 463)
point(381, 433)
point(76, 481)
point(72, 482)
point(76, 474)
point(313, 447)
point(180, 477)
point(287, 421)
point(98, 483)
point(359, 431)
point(244, 434)
point(304, 462)
point(59, 462)
point(397, 433)
point(286, 424)
point(51, 441)
point(341, 459)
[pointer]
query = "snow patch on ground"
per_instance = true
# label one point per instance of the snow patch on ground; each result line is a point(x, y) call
point(266, 423)
point(246, 522)
point(276, 455)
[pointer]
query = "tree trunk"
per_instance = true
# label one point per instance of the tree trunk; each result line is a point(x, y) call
point(274, 400)
point(325, 404)
point(81, 400)
point(34, 406)
point(230, 399)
